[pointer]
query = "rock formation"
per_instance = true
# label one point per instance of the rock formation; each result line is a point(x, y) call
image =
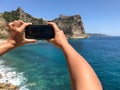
point(7, 86)
point(20, 14)
point(4, 86)
point(71, 25)
point(3, 29)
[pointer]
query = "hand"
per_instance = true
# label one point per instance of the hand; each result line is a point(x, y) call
point(60, 39)
point(17, 37)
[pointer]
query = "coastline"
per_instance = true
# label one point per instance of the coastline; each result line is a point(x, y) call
point(82, 36)
point(3, 85)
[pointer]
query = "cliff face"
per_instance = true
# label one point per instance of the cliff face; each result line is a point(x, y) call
point(71, 25)
point(3, 29)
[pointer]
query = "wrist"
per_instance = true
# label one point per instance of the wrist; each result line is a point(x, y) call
point(65, 45)
point(5, 47)
point(10, 43)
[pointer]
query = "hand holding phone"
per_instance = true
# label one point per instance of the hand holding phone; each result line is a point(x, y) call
point(39, 32)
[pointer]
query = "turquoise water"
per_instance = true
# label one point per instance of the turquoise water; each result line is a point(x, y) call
point(41, 66)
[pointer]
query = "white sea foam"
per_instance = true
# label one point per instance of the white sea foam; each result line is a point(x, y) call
point(11, 76)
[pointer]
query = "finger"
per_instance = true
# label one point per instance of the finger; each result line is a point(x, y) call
point(31, 40)
point(56, 29)
point(50, 40)
point(11, 26)
point(20, 22)
point(22, 27)
point(15, 21)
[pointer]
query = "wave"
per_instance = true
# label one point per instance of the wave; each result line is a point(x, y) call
point(10, 76)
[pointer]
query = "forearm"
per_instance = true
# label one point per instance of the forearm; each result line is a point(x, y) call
point(82, 75)
point(5, 47)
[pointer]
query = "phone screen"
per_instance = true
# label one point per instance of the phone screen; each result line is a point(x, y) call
point(39, 32)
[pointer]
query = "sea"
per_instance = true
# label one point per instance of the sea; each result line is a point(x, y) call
point(42, 66)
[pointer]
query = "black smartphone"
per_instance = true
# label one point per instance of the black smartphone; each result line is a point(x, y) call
point(39, 32)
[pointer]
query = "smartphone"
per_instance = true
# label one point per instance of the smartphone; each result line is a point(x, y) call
point(39, 32)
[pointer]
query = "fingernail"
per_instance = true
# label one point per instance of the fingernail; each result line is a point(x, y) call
point(30, 23)
point(10, 23)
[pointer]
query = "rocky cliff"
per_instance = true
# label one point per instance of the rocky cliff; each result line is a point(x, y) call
point(71, 25)
point(20, 14)
point(3, 29)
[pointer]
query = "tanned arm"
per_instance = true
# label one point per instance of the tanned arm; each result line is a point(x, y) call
point(82, 75)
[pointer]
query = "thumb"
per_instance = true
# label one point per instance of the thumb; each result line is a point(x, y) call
point(30, 40)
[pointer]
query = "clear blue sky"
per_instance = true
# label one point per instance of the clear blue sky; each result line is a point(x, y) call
point(99, 16)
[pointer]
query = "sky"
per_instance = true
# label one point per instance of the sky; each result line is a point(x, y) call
point(98, 16)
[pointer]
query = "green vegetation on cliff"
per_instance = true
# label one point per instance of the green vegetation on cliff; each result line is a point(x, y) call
point(10, 16)
point(20, 14)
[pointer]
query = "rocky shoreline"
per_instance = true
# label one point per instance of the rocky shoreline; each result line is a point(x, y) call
point(7, 86)
point(4, 86)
